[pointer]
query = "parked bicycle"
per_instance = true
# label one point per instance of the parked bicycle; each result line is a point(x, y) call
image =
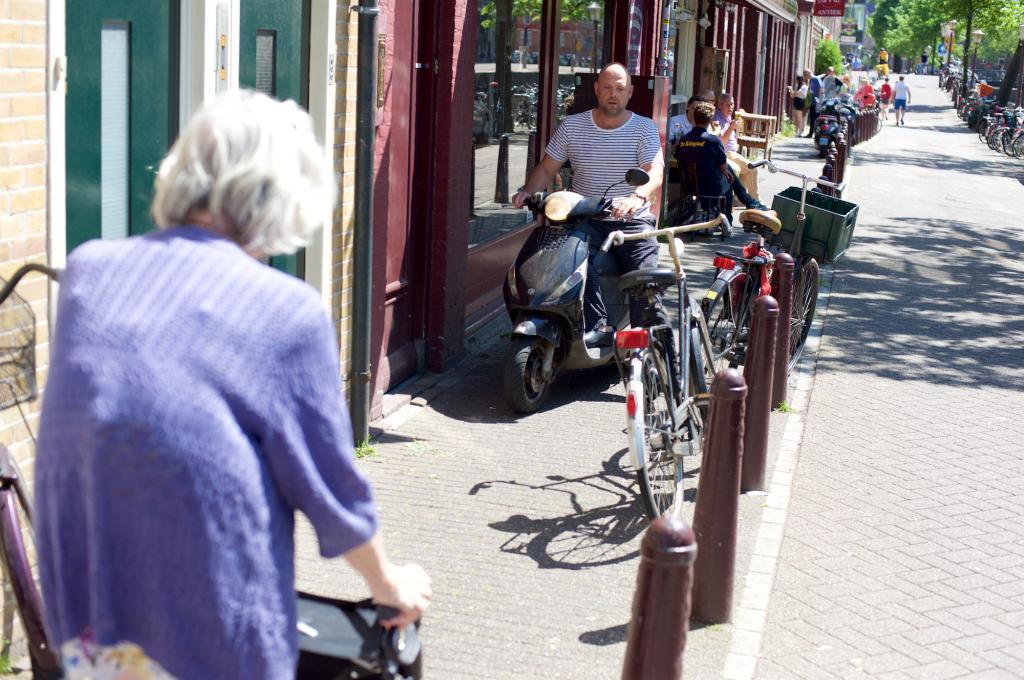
point(337, 639)
point(741, 279)
point(663, 423)
point(17, 387)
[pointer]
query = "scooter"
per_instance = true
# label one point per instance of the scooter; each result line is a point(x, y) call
point(544, 294)
point(826, 125)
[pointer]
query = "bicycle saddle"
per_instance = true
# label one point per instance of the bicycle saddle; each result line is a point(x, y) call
point(660, 276)
point(766, 218)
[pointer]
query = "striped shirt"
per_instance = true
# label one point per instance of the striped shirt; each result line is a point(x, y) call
point(600, 157)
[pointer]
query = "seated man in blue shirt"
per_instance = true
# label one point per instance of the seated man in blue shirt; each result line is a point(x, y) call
point(701, 156)
point(682, 124)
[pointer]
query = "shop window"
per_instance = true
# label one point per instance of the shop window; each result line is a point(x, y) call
point(115, 76)
point(266, 60)
point(504, 117)
point(581, 41)
point(506, 103)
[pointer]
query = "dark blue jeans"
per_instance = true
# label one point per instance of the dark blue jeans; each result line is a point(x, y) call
point(632, 255)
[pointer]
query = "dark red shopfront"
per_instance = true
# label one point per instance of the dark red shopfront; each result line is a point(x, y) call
point(460, 76)
point(760, 39)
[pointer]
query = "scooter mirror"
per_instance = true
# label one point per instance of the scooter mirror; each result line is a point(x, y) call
point(637, 177)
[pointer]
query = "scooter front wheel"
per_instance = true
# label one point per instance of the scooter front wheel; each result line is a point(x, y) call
point(525, 380)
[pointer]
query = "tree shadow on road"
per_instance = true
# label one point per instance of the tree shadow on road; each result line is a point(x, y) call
point(944, 298)
point(997, 166)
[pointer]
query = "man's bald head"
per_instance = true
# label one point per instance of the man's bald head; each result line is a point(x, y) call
point(613, 89)
point(616, 70)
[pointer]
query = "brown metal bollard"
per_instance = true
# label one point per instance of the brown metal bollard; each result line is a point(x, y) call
point(531, 150)
point(501, 177)
point(757, 373)
point(782, 289)
point(840, 157)
point(661, 603)
point(828, 173)
point(717, 508)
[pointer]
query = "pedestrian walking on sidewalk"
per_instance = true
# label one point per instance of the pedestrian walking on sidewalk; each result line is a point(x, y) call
point(901, 97)
point(885, 97)
point(193, 406)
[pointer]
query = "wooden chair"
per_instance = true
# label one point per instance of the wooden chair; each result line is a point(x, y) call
point(757, 132)
point(692, 207)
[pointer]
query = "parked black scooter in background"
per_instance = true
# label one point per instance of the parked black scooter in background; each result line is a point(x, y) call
point(544, 294)
point(827, 126)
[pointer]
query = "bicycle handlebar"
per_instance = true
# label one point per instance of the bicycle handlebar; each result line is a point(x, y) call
point(617, 238)
point(772, 168)
point(25, 269)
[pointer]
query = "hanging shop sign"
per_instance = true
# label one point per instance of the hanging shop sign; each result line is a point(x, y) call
point(829, 8)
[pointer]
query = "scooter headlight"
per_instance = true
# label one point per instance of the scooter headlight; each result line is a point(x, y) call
point(559, 205)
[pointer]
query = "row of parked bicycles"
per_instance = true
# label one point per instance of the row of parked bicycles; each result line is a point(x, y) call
point(1002, 128)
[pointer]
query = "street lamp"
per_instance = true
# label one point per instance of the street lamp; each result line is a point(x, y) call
point(594, 10)
point(976, 37)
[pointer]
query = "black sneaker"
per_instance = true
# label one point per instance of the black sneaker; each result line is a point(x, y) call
point(757, 205)
point(601, 335)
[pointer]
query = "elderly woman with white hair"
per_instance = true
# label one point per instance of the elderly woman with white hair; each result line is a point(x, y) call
point(193, 405)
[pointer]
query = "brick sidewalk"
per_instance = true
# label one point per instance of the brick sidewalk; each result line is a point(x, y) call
point(530, 526)
point(903, 554)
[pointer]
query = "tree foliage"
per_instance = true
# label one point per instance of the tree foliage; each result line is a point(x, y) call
point(828, 55)
point(907, 27)
point(572, 10)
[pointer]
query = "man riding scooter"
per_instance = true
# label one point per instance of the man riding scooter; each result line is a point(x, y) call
point(602, 144)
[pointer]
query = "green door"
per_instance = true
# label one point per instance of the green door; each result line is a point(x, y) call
point(274, 59)
point(122, 112)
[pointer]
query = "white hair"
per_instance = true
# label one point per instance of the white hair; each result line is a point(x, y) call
point(253, 164)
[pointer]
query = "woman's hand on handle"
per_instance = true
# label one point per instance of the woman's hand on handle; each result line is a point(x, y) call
point(405, 587)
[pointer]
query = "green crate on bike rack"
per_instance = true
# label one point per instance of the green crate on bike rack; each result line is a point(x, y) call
point(828, 228)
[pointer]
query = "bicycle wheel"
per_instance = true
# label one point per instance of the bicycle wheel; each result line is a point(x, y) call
point(805, 300)
point(660, 470)
point(15, 512)
point(1018, 146)
point(728, 318)
point(702, 370)
point(701, 373)
point(992, 136)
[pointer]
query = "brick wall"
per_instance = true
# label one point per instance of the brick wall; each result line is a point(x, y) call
point(23, 175)
point(23, 220)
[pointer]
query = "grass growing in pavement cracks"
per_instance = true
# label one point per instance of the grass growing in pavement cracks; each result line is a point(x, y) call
point(365, 449)
point(784, 407)
point(5, 664)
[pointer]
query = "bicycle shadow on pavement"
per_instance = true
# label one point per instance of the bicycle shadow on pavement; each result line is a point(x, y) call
point(591, 533)
point(943, 295)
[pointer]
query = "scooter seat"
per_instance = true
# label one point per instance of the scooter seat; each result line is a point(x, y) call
point(769, 219)
point(659, 276)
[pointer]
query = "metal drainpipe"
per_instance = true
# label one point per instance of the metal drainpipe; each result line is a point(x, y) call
point(362, 268)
